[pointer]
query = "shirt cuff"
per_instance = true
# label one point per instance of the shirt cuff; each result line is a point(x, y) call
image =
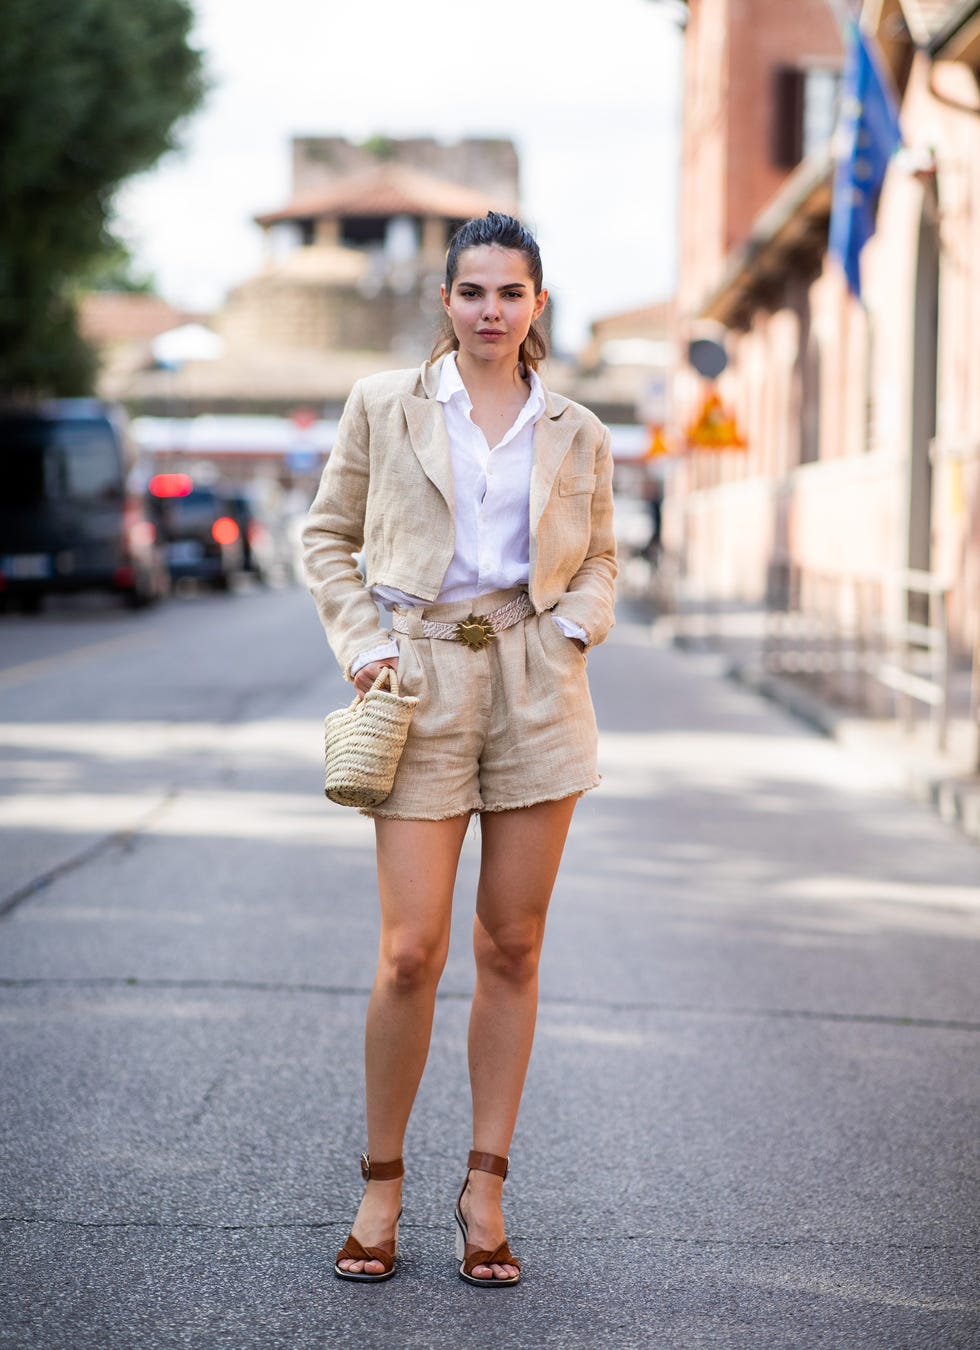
point(375, 654)
point(571, 629)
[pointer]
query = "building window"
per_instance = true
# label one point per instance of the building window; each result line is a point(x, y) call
point(804, 111)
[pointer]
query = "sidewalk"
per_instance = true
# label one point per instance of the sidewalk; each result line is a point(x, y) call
point(947, 780)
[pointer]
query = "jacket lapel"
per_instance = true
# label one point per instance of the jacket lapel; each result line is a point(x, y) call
point(427, 432)
point(552, 437)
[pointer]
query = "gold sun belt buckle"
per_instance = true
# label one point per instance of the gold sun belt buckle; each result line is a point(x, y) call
point(475, 632)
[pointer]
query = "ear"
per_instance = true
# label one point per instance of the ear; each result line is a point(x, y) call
point(540, 300)
point(445, 298)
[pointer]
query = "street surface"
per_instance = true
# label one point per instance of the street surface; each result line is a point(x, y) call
point(752, 1113)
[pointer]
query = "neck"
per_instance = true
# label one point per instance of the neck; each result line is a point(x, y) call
point(489, 377)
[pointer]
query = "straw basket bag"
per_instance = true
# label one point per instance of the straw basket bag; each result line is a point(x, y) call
point(364, 742)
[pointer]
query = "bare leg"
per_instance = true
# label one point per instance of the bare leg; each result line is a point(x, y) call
point(417, 862)
point(521, 853)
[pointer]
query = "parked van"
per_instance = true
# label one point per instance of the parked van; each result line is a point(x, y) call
point(71, 517)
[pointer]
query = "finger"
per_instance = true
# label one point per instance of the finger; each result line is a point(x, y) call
point(367, 675)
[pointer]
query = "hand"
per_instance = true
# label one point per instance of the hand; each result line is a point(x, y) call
point(367, 675)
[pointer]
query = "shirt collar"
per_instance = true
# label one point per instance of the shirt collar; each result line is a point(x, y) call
point(451, 386)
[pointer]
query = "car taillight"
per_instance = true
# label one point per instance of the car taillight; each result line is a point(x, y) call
point(171, 485)
point(224, 530)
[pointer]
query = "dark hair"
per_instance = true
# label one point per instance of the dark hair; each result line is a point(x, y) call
point(498, 231)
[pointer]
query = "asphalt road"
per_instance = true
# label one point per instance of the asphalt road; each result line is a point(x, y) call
point(752, 1113)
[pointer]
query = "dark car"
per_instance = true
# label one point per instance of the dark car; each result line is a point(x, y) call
point(70, 517)
point(196, 525)
point(268, 547)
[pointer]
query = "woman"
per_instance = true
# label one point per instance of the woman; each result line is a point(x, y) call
point(483, 504)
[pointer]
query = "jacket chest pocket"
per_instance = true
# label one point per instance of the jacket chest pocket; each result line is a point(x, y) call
point(574, 484)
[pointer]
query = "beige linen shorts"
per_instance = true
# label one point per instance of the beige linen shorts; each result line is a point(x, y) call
point(506, 726)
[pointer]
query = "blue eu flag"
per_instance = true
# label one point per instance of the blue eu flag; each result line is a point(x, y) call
point(868, 135)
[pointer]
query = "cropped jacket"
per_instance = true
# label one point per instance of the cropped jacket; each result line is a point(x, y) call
point(387, 488)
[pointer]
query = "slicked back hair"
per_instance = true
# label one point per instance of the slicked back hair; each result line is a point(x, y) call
point(496, 230)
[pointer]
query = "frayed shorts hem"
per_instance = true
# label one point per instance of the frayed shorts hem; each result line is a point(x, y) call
point(482, 808)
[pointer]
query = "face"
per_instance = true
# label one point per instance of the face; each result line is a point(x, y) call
point(492, 303)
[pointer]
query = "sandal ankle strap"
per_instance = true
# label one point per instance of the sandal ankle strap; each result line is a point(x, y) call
point(386, 1171)
point(488, 1162)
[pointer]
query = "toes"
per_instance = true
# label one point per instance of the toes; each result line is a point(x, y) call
point(491, 1273)
point(362, 1267)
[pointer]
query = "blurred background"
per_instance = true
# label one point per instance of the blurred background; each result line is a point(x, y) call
point(760, 234)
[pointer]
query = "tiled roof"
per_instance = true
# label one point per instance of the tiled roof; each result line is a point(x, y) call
point(388, 190)
point(126, 316)
point(267, 375)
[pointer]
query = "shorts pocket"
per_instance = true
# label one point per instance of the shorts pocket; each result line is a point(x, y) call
point(411, 675)
point(553, 638)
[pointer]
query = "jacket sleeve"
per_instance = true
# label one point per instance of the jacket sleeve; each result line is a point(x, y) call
point(591, 593)
point(334, 532)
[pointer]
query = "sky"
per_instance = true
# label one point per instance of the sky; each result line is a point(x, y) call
point(588, 93)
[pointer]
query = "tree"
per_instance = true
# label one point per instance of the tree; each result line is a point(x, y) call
point(91, 92)
point(115, 270)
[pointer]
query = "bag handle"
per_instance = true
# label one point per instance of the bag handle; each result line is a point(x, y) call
point(386, 675)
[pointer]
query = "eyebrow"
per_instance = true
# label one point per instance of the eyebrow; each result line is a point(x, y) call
point(476, 286)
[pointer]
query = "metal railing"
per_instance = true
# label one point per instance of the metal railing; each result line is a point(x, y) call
point(857, 636)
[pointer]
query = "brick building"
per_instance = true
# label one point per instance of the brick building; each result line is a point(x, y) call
point(862, 417)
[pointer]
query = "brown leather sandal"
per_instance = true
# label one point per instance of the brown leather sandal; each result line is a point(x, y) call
point(384, 1252)
point(470, 1257)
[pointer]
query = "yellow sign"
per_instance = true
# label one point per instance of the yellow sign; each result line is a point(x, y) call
point(715, 427)
point(658, 444)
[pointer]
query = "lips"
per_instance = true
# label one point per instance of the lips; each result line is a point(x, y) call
point(490, 332)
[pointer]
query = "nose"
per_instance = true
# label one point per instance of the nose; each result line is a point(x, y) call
point(491, 309)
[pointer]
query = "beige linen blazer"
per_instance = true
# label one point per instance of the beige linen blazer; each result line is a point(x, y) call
point(388, 488)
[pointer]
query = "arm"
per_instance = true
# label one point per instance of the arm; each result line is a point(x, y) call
point(590, 595)
point(334, 532)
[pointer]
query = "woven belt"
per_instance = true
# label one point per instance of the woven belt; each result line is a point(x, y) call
point(476, 630)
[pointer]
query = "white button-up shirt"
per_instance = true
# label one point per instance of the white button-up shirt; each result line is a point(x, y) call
point(491, 492)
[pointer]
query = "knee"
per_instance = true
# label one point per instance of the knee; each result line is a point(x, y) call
point(411, 965)
point(511, 953)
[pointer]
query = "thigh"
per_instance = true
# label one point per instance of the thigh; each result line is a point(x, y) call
point(417, 861)
point(520, 857)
